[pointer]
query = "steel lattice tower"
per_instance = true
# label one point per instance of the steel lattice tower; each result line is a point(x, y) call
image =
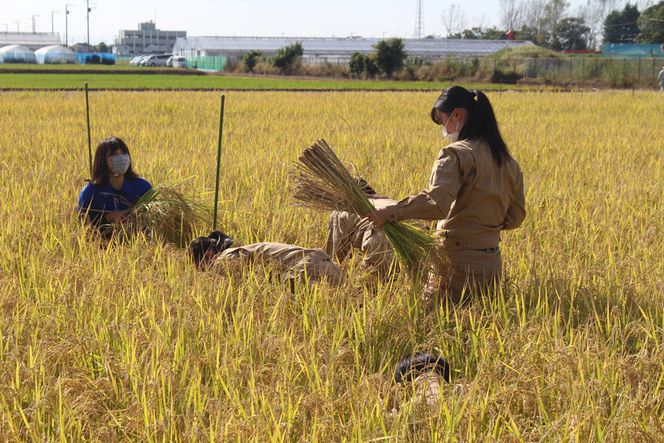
point(419, 24)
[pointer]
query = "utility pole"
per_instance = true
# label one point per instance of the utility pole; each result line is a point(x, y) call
point(52, 21)
point(67, 24)
point(419, 24)
point(34, 23)
point(87, 6)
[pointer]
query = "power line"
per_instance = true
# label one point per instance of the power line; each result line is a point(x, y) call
point(633, 22)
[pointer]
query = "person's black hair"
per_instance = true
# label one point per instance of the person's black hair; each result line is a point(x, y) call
point(100, 173)
point(481, 122)
point(216, 242)
point(222, 241)
point(199, 247)
point(418, 363)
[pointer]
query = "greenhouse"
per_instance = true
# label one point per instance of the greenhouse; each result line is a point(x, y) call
point(17, 54)
point(30, 40)
point(55, 55)
point(319, 50)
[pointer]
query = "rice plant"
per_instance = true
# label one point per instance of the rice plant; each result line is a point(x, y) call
point(166, 214)
point(321, 181)
point(128, 342)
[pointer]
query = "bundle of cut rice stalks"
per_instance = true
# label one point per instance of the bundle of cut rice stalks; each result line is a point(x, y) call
point(321, 181)
point(166, 214)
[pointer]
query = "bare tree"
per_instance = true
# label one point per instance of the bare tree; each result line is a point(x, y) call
point(644, 4)
point(511, 14)
point(453, 19)
point(481, 21)
point(554, 11)
point(533, 13)
point(594, 13)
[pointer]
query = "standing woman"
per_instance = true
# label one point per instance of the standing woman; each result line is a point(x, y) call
point(475, 192)
point(113, 187)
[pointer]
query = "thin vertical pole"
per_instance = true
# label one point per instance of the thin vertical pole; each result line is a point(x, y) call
point(583, 73)
point(654, 71)
point(216, 186)
point(87, 18)
point(87, 115)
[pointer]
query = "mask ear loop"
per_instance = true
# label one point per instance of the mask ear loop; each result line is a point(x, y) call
point(456, 130)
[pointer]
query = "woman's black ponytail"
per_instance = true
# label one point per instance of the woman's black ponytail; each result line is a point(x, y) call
point(482, 122)
point(484, 125)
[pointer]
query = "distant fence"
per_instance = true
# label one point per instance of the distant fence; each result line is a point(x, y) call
point(208, 62)
point(632, 50)
point(580, 70)
point(616, 72)
point(123, 59)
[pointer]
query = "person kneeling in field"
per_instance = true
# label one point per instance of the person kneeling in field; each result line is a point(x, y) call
point(475, 193)
point(347, 230)
point(423, 374)
point(113, 187)
point(290, 261)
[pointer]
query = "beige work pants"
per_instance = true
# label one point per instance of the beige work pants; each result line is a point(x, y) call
point(316, 267)
point(345, 233)
point(466, 274)
point(312, 267)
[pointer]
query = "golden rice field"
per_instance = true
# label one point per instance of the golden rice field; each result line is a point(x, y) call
point(129, 343)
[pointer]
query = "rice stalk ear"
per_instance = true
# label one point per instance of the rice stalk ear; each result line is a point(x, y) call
point(165, 214)
point(321, 181)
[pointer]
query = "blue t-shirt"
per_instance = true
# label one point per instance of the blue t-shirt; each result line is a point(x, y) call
point(103, 199)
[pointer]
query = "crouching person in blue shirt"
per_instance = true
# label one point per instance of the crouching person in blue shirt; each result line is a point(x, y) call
point(113, 187)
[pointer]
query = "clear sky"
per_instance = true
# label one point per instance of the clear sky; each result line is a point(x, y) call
point(301, 18)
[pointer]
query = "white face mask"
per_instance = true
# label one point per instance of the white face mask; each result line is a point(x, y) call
point(451, 137)
point(120, 163)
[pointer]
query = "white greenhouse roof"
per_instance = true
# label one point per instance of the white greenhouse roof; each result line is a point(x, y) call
point(55, 54)
point(16, 54)
point(343, 46)
point(28, 39)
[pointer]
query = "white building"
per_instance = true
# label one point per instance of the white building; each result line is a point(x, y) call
point(318, 50)
point(147, 39)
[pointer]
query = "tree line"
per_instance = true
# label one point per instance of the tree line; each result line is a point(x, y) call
point(548, 23)
point(389, 57)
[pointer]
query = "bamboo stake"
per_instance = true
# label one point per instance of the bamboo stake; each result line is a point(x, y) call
point(216, 187)
point(87, 114)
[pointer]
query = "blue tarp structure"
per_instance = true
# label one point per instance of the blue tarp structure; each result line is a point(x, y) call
point(632, 50)
point(97, 58)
